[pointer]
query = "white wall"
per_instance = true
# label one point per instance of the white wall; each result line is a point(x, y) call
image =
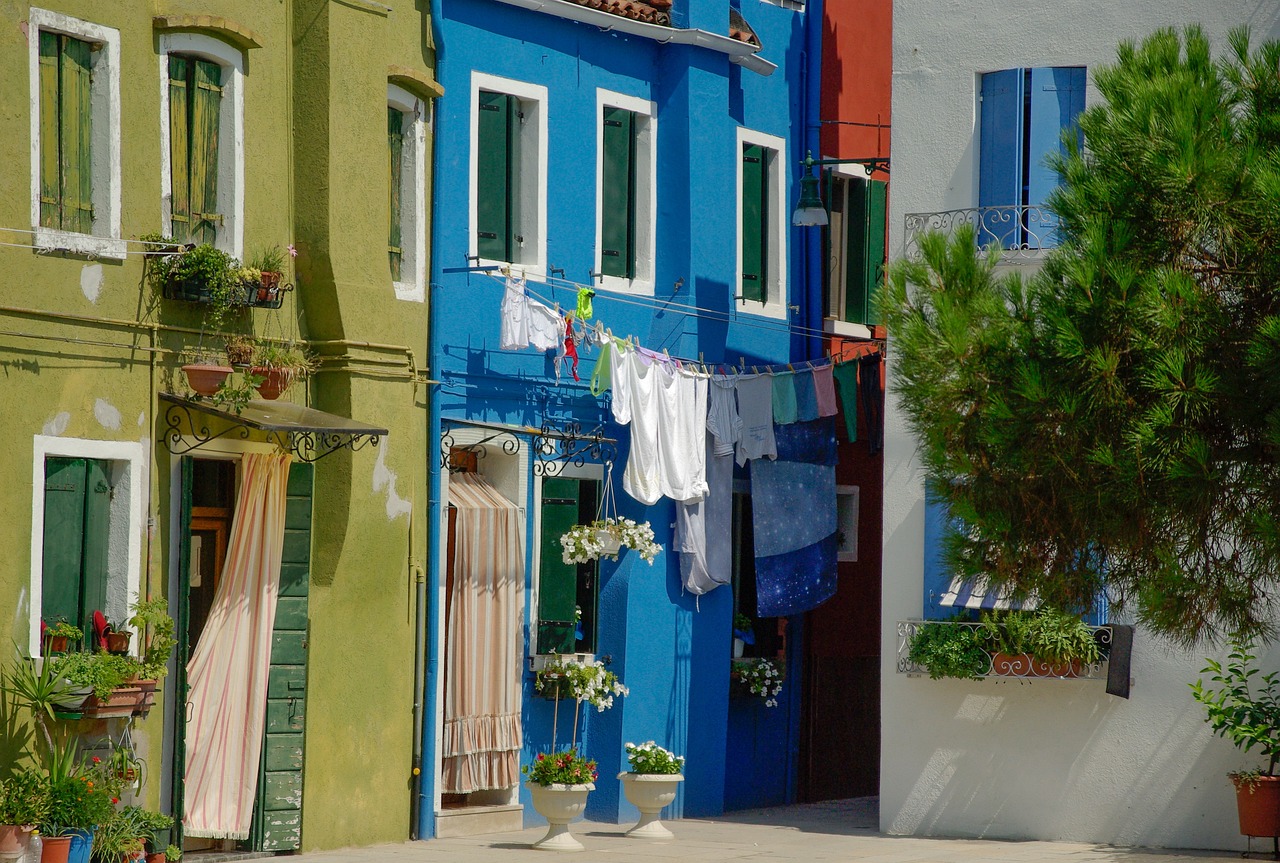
point(1044, 759)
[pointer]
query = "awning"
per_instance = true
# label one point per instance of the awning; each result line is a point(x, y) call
point(977, 594)
point(308, 433)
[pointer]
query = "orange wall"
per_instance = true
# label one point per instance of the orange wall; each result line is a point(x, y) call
point(857, 73)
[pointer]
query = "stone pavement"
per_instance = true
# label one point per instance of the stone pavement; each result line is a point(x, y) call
point(813, 833)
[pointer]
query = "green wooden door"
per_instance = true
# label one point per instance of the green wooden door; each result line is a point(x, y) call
point(277, 816)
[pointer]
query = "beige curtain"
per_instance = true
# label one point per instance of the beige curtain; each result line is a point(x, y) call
point(228, 668)
point(482, 680)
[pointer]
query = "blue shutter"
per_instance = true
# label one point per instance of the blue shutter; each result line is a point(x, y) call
point(937, 578)
point(1057, 98)
point(1000, 153)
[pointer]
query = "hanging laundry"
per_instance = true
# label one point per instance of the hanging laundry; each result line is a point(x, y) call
point(825, 390)
point(755, 408)
point(601, 376)
point(514, 313)
point(667, 411)
point(806, 396)
point(846, 375)
point(795, 557)
point(584, 304)
point(704, 536)
point(784, 398)
point(570, 349)
point(872, 404)
point(722, 414)
point(546, 327)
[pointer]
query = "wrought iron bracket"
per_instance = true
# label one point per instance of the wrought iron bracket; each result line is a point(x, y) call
point(552, 447)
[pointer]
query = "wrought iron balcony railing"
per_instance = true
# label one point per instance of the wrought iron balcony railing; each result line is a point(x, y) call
point(1024, 233)
point(1021, 666)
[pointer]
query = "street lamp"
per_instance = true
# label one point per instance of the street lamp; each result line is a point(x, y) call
point(809, 210)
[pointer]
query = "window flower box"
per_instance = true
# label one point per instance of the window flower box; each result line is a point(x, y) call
point(989, 663)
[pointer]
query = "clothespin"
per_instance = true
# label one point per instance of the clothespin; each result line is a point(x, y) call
point(790, 367)
point(506, 270)
point(754, 370)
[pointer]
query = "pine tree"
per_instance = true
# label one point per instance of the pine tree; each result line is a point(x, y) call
point(1112, 423)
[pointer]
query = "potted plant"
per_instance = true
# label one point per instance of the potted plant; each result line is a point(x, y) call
point(58, 636)
point(205, 373)
point(948, 648)
point(23, 801)
point(1007, 637)
point(151, 617)
point(240, 350)
point(124, 835)
point(270, 265)
point(80, 798)
point(127, 767)
point(117, 637)
point(759, 677)
point(560, 781)
point(605, 537)
point(1245, 709)
point(1061, 644)
point(743, 634)
point(651, 785)
point(234, 396)
point(111, 678)
point(279, 366)
point(39, 687)
point(172, 854)
point(201, 274)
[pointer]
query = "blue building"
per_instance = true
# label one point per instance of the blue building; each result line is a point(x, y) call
point(651, 154)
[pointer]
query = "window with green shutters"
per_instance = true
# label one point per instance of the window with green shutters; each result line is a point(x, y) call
point(857, 248)
point(66, 133)
point(77, 515)
point(195, 104)
point(566, 590)
point(755, 223)
point(395, 180)
point(497, 167)
point(618, 193)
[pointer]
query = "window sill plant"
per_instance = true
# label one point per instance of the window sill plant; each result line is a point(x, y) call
point(277, 367)
point(606, 537)
point(650, 786)
point(760, 677)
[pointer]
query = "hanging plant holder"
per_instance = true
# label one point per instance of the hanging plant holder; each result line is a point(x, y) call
point(606, 536)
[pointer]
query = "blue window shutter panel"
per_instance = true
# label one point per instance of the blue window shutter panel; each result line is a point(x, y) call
point(1057, 98)
point(937, 578)
point(1000, 141)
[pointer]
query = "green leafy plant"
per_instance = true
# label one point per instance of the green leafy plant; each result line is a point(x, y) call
point(742, 626)
point(269, 260)
point(588, 682)
point(949, 649)
point(127, 832)
point(240, 350)
point(761, 677)
point(649, 757)
point(561, 768)
point(62, 629)
point(101, 670)
point(37, 685)
point(584, 542)
point(1059, 638)
point(1007, 632)
point(127, 766)
point(234, 395)
point(24, 798)
point(151, 617)
point(1244, 708)
point(80, 796)
point(173, 854)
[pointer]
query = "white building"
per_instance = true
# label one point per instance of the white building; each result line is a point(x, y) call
point(1046, 759)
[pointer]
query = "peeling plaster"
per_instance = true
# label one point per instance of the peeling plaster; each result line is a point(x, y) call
point(383, 477)
point(107, 414)
point(58, 424)
point(142, 419)
point(91, 281)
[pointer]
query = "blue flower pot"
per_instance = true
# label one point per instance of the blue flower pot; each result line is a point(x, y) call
point(81, 845)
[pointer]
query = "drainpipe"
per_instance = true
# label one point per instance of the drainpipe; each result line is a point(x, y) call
point(812, 317)
point(428, 646)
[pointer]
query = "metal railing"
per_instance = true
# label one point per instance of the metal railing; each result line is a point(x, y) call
point(1021, 666)
point(1024, 233)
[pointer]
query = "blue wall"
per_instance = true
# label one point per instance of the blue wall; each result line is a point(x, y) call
point(671, 651)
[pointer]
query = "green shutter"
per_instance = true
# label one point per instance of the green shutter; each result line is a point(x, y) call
point(755, 222)
point(618, 194)
point(395, 146)
point(77, 161)
point(206, 102)
point(97, 537)
point(50, 175)
point(494, 174)
point(557, 581)
point(277, 816)
point(181, 611)
point(64, 487)
point(180, 146)
point(856, 261)
point(877, 199)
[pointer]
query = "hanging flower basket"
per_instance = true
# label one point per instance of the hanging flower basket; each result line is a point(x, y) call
point(608, 534)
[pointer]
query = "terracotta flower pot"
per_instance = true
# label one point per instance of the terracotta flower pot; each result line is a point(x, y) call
point(1258, 805)
point(54, 849)
point(14, 838)
point(559, 804)
point(650, 793)
point(205, 380)
point(274, 381)
point(157, 857)
point(1011, 665)
point(118, 642)
point(57, 643)
point(123, 701)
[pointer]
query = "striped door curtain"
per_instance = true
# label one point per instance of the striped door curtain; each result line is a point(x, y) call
point(482, 736)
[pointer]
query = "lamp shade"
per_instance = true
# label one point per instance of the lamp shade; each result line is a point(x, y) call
point(809, 211)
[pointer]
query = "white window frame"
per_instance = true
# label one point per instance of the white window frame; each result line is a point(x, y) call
point(646, 191)
point(533, 171)
point(589, 470)
point(130, 457)
point(776, 285)
point(834, 323)
point(106, 240)
point(230, 234)
point(413, 198)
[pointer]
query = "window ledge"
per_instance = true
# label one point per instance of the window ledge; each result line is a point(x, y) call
point(776, 311)
point(410, 292)
point(240, 36)
point(52, 240)
point(539, 661)
point(848, 329)
point(619, 285)
point(414, 81)
point(1019, 667)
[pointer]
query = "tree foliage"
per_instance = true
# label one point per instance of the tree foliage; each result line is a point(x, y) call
point(1113, 421)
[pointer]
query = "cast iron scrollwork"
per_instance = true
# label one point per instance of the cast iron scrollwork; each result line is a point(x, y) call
point(184, 432)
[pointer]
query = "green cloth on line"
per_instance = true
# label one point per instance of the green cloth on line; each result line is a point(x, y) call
point(602, 376)
point(846, 375)
point(784, 399)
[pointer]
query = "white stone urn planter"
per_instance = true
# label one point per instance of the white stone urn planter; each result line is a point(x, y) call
point(650, 793)
point(559, 804)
